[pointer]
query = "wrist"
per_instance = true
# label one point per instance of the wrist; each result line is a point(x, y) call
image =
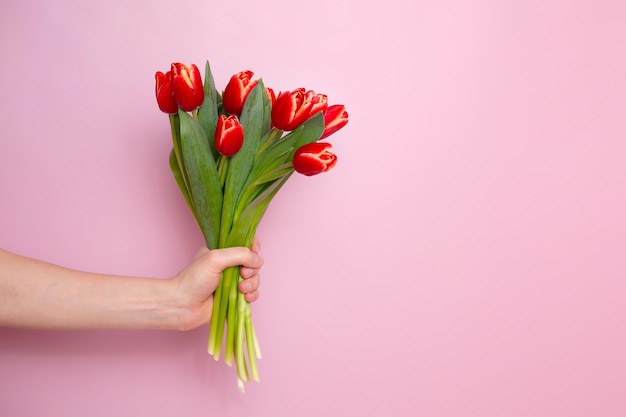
point(179, 309)
point(168, 310)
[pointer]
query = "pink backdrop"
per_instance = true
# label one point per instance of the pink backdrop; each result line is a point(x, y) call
point(464, 258)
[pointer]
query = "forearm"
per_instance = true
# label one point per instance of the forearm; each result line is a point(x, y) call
point(35, 294)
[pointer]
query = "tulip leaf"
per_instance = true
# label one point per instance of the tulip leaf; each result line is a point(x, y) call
point(252, 120)
point(208, 112)
point(279, 154)
point(258, 182)
point(176, 162)
point(240, 165)
point(274, 174)
point(268, 161)
point(310, 131)
point(178, 176)
point(267, 112)
point(245, 226)
point(204, 183)
point(175, 127)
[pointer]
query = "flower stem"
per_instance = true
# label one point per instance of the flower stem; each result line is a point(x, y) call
point(240, 359)
point(214, 346)
point(251, 343)
point(271, 138)
point(222, 168)
point(231, 318)
point(224, 317)
point(255, 340)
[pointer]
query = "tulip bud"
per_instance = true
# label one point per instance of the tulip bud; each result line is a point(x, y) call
point(335, 118)
point(228, 135)
point(292, 108)
point(188, 89)
point(237, 91)
point(314, 158)
point(164, 93)
point(271, 96)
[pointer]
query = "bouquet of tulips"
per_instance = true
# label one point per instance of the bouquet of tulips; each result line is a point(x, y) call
point(232, 152)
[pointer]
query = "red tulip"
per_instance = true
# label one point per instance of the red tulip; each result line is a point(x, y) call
point(271, 96)
point(320, 102)
point(228, 135)
point(294, 108)
point(314, 158)
point(188, 89)
point(164, 93)
point(335, 118)
point(237, 91)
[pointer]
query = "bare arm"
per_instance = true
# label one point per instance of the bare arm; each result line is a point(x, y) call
point(36, 294)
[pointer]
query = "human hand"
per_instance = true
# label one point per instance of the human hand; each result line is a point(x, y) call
point(194, 286)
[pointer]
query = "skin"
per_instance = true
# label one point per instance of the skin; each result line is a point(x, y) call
point(39, 295)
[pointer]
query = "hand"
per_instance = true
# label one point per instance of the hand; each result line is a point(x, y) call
point(196, 283)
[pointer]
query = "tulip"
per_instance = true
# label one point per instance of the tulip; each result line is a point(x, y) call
point(237, 91)
point(188, 89)
point(292, 108)
point(228, 135)
point(335, 118)
point(164, 93)
point(319, 102)
point(271, 96)
point(314, 158)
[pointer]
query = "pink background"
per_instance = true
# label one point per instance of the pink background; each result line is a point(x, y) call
point(464, 258)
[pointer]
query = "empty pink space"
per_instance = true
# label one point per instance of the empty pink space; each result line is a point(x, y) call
point(464, 258)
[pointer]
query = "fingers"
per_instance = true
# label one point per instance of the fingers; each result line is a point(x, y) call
point(256, 245)
point(251, 296)
point(221, 259)
point(250, 288)
point(248, 260)
point(250, 284)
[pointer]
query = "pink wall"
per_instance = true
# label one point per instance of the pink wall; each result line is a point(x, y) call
point(464, 258)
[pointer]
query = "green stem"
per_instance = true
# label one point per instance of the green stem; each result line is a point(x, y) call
point(271, 138)
point(223, 313)
point(255, 340)
point(176, 140)
point(230, 308)
point(251, 343)
point(240, 359)
point(231, 320)
point(214, 346)
point(222, 168)
point(237, 305)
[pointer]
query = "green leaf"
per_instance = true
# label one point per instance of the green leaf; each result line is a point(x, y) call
point(175, 128)
point(208, 112)
point(273, 174)
point(279, 154)
point(241, 163)
point(245, 226)
point(267, 112)
point(180, 180)
point(204, 182)
point(258, 179)
point(309, 131)
point(271, 160)
point(176, 162)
